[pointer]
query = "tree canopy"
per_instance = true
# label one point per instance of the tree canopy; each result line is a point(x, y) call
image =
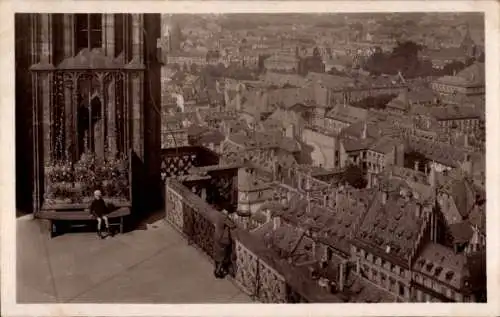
point(404, 58)
point(354, 176)
point(374, 102)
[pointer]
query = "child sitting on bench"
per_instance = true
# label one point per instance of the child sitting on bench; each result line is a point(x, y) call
point(98, 209)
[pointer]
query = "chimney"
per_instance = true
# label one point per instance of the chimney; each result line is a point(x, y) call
point(364, 131)
point(238, 98)
point(290, 131)
point(227, 131)
point(384, 197)
point(405, 98)
point(276, 222)
point(416, 166)
point(418, 210)
point(268, 215)
point(313, 249)
point(180, 102)
point(226, 97)
point(467, 165)
point(432, 176)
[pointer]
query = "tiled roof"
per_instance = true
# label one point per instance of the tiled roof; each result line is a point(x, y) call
point(196, 130)
point(296, 277)
point(355, 130)
point(450, 53)
point(343, 60)
point(400, 102)
point(283, 58)
point(251, 183)
point(422, 95)
point(187, 54)
point(473, 75)
point(384, 145)
point(394, 224)
point(463, 194)
point(362, 291)
point(280, 79)
point(330, 81)
point(284, 239)
point(266, 139)
point(443, 264)
point(477, 217)
point(285, 118)
point(448, 112)
point(332, 227)
point(396, 178)
point(353, 145)
point(443, 153)
point(272, 206)
point(212, 136)
point(347, 114)
point(461, 232)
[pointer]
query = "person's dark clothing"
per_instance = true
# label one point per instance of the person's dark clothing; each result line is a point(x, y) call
point(98, 208)
point(222, 248)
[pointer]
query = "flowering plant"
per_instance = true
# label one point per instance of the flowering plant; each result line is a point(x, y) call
point(76, 183)
point(115, 178)
point(59, 172)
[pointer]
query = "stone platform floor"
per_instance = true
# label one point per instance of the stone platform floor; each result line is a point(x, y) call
point(142, 266)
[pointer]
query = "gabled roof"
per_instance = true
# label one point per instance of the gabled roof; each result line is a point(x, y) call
point(392, 226)
point(463, 194)
point(384, 145)
point(448, 112)
point(331, 81)
point(440, 152)
point(443, 264)
point(474, 75)
point(347, 114)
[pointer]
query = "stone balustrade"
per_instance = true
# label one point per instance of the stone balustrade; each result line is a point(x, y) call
point(258, 271)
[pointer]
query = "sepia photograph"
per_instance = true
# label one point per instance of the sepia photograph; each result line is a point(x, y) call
point(264, 158)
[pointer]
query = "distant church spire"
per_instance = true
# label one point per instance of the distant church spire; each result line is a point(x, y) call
point(364, 131)
point(468, 44)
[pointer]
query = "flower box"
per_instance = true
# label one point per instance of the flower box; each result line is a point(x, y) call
point(75, 183)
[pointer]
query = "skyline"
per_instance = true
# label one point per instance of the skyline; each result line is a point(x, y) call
point(190, 22)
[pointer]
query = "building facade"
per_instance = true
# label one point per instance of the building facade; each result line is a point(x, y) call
point(89, 85)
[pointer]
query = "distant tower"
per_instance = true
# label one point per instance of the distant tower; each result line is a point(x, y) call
point(468, 45)
point(172, 32)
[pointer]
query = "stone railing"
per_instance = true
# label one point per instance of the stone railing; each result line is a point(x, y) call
point(258, 271)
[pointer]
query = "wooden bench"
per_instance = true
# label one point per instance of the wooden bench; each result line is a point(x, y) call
point(76, 214)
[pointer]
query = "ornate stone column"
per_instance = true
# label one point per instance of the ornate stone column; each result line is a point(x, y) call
point(108, 23)
point(137, 86)
point(111, 114)
point(100, 126)
point(45, 81)
point(70, 107)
